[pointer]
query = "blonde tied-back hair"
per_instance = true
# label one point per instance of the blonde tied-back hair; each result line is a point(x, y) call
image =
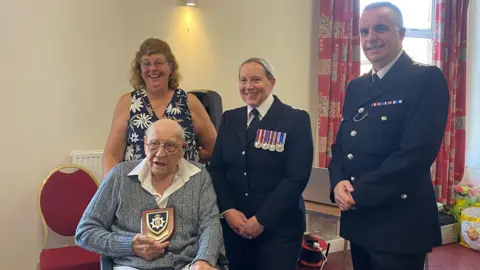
point(269, 72)
point(154, 46)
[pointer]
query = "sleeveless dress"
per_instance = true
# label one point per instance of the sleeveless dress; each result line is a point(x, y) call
point(142, 116)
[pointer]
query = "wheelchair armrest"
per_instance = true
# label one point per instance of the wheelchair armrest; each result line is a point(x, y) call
point(106, 263)
point(222, 260)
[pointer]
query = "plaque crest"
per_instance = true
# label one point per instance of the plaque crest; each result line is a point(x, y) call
point(158, 223)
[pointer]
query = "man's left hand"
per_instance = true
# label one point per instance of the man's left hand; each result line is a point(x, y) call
point(201, 265)
point(252, 229)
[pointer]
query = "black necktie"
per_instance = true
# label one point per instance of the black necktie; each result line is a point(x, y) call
point(375, 78)
point(253, 126)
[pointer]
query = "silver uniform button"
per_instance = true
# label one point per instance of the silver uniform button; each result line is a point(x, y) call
point(246, 194)
point(352, 179)
point(404, 196)
point(245, 173)
point(243, 153)
point(353, 133)
point(384, 118)
point(361, 110)
point(350, 156)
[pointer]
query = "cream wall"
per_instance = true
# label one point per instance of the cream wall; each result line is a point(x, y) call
point(64, 63)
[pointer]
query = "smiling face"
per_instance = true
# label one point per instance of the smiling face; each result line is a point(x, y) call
point(164, 147)
point(254, 84)
point(381, 36)
point(155, 71)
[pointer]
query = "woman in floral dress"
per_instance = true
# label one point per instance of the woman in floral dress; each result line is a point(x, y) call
point(155, 78)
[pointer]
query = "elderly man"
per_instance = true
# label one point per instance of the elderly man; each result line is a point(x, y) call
point(111, 224)
point(393, 123)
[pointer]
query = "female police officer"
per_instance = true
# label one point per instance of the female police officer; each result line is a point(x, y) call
point(260, 166)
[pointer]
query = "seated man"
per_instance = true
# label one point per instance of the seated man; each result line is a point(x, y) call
point(111, 224)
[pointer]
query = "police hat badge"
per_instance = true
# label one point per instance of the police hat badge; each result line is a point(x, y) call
point(158, 223)
point(314, 251)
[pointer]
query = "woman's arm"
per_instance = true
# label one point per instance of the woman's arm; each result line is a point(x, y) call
point(116, 143)
point(203, 127)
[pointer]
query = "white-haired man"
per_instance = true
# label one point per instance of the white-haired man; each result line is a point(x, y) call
point(111, 224)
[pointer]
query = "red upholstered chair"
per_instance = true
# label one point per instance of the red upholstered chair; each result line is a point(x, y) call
point(62, 199)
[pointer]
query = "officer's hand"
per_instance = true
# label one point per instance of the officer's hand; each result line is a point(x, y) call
point(252, 229)
point(235, 219)
point(343, 198)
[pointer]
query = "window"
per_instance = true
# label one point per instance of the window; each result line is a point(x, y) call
point(418, 19)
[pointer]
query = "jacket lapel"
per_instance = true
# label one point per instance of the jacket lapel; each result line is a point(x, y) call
point(241, 125)
point(270, 120)
point(369, 92)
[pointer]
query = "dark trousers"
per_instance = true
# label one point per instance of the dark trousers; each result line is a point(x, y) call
point(366, 259)
point(269, 251)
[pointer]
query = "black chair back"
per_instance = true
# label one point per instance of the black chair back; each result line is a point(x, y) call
point(212, 102)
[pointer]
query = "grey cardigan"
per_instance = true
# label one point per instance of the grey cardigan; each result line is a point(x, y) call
point(112, 219)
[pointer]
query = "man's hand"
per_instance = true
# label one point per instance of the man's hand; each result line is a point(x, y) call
point(235, 219)
point(148, 248)
point(252, 229)
point(201, 265)
point(343, 198)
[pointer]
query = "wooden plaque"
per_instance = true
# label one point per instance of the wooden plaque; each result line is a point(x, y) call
point(158, 223)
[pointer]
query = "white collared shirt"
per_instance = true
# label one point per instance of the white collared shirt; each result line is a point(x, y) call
point(262, 109)
point(185, 171)
point(382, 72)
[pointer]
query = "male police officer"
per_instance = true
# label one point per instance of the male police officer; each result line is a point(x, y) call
point(393, 125)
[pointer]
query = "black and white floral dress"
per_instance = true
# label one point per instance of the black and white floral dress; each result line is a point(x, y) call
point(142, 116)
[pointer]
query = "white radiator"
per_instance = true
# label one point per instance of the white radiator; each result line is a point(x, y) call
point(90, 159)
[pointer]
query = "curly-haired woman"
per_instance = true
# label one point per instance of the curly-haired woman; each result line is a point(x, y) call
point(155, 79)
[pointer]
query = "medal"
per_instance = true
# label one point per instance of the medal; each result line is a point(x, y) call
point(258, 139)
point(265, 145)
point(261, 141)
point(273, 144)
point(281, 145)
point(280, 148)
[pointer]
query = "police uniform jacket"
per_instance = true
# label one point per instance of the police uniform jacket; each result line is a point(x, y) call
point(264, 183)
point(389, 137)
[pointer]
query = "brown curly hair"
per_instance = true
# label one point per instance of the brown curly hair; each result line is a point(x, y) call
point(153, 46)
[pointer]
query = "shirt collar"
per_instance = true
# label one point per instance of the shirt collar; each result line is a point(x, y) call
point(383, 71)
point(263, 108)
point(185, 170)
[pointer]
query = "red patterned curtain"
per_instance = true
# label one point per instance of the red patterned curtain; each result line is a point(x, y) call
point(449, 54)
point(338, 63)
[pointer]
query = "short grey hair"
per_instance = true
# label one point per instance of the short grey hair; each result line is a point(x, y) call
point(389, 5)
point(180, 131)
point(269, 72)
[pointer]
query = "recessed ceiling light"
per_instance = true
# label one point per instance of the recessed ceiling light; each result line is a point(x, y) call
point(191, 3)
